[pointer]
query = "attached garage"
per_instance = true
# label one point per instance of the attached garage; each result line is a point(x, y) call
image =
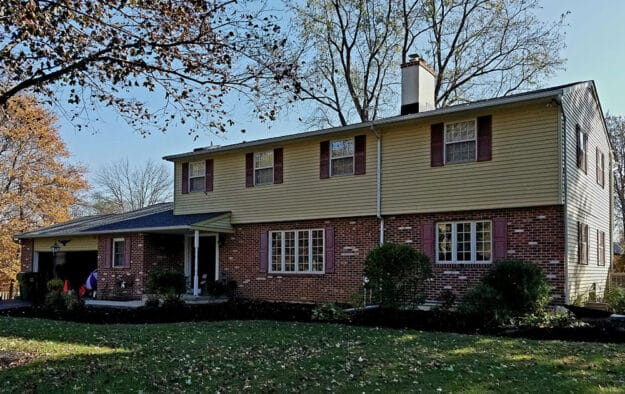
point(70, 258)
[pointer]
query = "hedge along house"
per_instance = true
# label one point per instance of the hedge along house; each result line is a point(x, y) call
point(524, 177)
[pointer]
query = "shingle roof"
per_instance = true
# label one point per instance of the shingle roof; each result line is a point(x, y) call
point(159, 216)
point(513, 98)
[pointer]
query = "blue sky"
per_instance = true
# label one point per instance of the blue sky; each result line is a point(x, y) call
point(594, 50)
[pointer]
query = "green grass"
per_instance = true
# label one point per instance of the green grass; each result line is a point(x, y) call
point(277, 356)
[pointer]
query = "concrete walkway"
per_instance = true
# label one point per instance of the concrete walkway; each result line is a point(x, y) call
point(14, 304)
point(113, 304)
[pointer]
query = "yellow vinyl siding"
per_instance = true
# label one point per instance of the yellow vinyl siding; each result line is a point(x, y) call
point(524, 169)
point(301, 196)
point(75, 244)
point(586, 200)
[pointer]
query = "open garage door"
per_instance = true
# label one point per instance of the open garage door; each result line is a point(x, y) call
point(71, 266)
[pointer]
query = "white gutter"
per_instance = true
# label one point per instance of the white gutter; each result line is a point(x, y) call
point(378, 185)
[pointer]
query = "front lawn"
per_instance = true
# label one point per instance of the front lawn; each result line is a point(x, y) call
point(42, 355)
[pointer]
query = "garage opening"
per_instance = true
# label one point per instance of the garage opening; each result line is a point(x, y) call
point(74, 267)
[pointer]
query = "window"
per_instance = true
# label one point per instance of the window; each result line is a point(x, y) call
point(582, 241)
point(197, 174)
point(464, 242)
point(582, 148)
point(118, 252)
point(298, 251)
point(600, 168)
point(342, 157)
point(263, 167)
point(460, 141)
point(600, 248)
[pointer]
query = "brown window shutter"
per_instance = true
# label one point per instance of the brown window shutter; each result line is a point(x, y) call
point(329, 252)
point(427, 240)
point(324, 159)
point(585, 155)
point(579, 243)
point(277, 165)
point(208, 180)
point(437, 145)
point(127, 251)
point(360, 160)
point(484, 138)
point(597, 166)
point(108, 252)
point(500, 238)
point(264, 252)
point(185, 178)
point(249, 170)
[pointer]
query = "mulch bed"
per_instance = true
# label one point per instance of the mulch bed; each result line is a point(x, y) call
point(434, 320)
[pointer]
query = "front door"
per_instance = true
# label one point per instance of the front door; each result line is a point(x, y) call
point(206, 263)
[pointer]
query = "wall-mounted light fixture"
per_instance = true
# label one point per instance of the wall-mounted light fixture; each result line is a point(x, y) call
point(55, 248)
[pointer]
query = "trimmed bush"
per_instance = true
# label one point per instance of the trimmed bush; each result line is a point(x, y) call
point(329, 312)
point(55, 285)
point(510, 289)
point(615, 298)
point(396, 275)
point(166, 282)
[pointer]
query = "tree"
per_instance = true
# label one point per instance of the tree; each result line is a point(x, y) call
point(192, 53)
point(122, 187)
point(616, 129)
point(37, 187)
point(349, 51)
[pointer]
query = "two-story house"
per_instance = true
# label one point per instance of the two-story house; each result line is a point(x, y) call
point(292, 218)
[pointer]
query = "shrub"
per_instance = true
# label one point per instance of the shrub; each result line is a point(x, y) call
point(173, 302)
point(55, 285)
point(166, 282)
point(447, 299)
point(74, 303)
point(152, 302)
point(56, 302)
point(509, 289)
point(396, 275)
point(32, 286)
point(615, 298)
point(329, 312)
point(548, 319)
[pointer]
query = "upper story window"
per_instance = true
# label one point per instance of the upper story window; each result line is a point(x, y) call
point(600, 165)
point(197, 176)
point(464, 242)
point(118, 258)
point(263, 167)
point(582, 149)
point(342, 157)
point(297, 251)
point(460, 141)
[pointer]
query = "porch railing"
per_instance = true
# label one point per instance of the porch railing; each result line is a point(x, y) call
point(616, 279)
point(9, 290)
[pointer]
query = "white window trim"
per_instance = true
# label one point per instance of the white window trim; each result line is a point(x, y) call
point(353, 156)
point(456, 142)
point(273, 163)
point(282, 249)
point(115, 240)
point(198, 176)
point(454, 244)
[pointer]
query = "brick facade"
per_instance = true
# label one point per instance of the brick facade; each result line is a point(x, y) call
point(26, 254)
point(147, 251)
point(534, 234)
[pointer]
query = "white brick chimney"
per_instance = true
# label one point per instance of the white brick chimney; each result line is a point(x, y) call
point(418, 82)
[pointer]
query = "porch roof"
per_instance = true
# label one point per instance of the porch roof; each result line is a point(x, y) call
point(156, 218)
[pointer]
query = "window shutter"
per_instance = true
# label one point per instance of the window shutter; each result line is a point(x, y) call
point(185, 178)
point(127, 251)
point(437, 145)
point(360, 160)
point(277, 165)
point(585, 155)
point(249, 170)
point(579, 243)
point(578, 144)
point(500, 238)
point(324, 159)
point(264, 249)
point(208, 180)
point(108, 244)
point(484, 138)
point(329, 250)
point(427, 240)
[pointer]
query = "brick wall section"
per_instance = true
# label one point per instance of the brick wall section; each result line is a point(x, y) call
point(534, 234)
point(147, 252)
point(26, 254)
point(240, 260)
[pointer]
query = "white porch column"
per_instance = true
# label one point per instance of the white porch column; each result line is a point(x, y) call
point(196, 246)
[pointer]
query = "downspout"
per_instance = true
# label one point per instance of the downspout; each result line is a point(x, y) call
point(378, 186)
point(565, 198)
